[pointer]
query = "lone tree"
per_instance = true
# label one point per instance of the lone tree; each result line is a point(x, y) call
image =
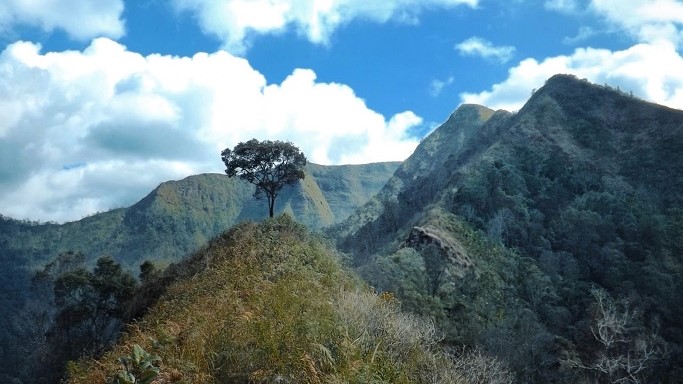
point(269, 165)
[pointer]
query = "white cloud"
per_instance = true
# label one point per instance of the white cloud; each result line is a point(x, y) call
point(651, 71)
point(437, 86)
point(389, 139)
point(647, 21)
point(78, 124)
point(585, 32)
point(233, 21)
point(564, 6)
point(80, 19)
point(476, 46)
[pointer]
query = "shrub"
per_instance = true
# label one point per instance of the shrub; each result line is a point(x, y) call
point(139, 367)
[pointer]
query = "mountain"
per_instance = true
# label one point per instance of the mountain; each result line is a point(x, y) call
point(179, 216)
point(541, 234)
point(548, 241)
point(175, 219)
point(348, 187)
point(462, 135)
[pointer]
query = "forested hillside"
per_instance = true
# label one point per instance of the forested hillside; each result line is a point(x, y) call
point(551, 236)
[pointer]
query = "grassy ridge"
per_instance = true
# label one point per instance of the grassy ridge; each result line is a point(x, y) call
point(269, 301)
point(174, 220)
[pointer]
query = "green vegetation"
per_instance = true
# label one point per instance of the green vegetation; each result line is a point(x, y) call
point(138, 367)
point(269, 165)
point(174, 220)
point(75, 312)
point(440, 278)
point(578, 192)
point(269, 301)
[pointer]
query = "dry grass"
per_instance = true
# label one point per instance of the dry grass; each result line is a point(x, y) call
point(272, 305)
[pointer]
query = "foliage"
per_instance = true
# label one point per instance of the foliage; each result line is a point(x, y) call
point(85, 308)
point(269, 165)
point(175, 219)
point(579, 190)
point(464, 301)
point(139, 367)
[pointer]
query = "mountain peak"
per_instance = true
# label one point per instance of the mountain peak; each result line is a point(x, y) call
point(583, 96)
point(472, 112)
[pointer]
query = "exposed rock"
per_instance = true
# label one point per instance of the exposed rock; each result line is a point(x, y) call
point(420, 237)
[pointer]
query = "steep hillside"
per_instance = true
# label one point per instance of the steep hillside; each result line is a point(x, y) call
point(270, 303)
point(580, 192)
point(462, 136)
point(348, 187)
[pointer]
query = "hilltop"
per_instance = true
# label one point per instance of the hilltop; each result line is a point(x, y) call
point(269, 302)
point(172, 221)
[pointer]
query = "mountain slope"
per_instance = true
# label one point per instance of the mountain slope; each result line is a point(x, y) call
point(269, 303)
point(179, 216)
point(175, 219)
point(347, 187)
point(581, 192)
point(460, 136)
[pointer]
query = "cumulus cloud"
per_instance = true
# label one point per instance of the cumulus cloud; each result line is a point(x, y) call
point(77, 123)
point(233, 21)
point(651, 71)
point(647, 21)
point(80, 19)
point(476, 46)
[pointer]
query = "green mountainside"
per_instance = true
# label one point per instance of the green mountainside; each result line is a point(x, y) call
point(551, 236)
point(462, 135)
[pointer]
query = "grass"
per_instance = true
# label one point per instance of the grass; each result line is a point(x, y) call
point(271, 302)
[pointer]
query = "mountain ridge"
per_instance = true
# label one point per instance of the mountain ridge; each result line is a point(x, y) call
point(213, 195)
point(435, 149)
point(581, 192)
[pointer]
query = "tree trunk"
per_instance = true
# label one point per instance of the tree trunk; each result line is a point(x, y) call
point(271, 205)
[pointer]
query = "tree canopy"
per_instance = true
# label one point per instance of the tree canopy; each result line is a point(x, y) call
point(78, 311)
point(269, 165)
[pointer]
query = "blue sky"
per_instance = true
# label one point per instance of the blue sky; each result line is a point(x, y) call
point(104, 99)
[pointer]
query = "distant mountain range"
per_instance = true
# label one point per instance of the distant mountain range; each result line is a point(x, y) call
point(179, 216)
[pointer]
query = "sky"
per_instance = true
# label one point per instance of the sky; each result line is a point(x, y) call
point(102, 100)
